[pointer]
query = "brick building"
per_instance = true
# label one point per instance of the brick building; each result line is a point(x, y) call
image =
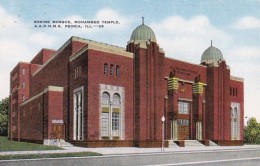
point(95, 94)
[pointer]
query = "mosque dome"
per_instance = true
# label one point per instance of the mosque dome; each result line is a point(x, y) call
point(143, 32)
point(211, 54)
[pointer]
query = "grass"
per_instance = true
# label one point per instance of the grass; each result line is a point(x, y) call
point(6, 145)
point(50, 155)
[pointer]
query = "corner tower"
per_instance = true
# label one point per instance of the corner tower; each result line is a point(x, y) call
point(148, 80)
point(223, 125)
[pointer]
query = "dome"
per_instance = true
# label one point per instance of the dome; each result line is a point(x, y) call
point(143, 32)
point(211, 54)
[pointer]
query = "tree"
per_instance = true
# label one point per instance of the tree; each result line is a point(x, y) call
point(252, 131)
point(4, 109)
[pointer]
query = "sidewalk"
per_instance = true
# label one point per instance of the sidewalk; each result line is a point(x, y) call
point(134, 150)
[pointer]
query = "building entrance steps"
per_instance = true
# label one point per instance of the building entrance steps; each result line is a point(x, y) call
point(57, 142)
point(172, 144)
point(192, 143)
point(211, 143)
point(63, 143)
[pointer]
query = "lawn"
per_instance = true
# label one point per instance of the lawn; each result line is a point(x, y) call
point(48, 155)
point(6, 145)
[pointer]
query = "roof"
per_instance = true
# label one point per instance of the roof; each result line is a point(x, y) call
point(211, 54)
point(143, 32)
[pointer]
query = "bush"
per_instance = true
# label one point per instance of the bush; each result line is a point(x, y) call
point(252, 132)
point(4, 108)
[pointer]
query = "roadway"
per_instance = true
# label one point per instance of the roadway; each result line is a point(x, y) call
point(229, 157)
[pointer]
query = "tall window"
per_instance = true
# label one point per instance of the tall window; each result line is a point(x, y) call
point(78, 114)
point(23, 71)
point(117, 70)
point(183, 108)
point(23, 85)
point(105, 98)
point(235, 122)
point(105, 69)
point(116, 99)
point(110, 116)
point(115, 121)
point(116, 114)
point(111, 70)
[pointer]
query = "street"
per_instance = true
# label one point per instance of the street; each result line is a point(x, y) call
point(221, 157)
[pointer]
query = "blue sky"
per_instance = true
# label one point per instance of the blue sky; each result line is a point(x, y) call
point(183, 29)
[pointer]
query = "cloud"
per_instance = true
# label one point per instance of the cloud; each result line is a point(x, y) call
point(187, 39)
point(102, 16)
point(247, 22)
point(245, 52)
point(42, 39)
point(18, 42)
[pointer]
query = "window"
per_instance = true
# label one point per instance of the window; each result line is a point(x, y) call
point(77, 72)
point(23, 71)
point(235, 121)
point(105, 69)
point(115, 121)
point(183, 108)
point(183, 122)
point(117, 71)
point(111, 70)
point(79, 68)
point(111, 116)
point(78, 128)
point(105, 124)
point(105, 98)
point(116, 99)
point(23, 85)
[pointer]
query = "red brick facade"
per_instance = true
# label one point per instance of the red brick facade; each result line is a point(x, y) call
point(94, 94)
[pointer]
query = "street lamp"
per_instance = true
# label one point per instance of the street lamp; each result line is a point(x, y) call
point(163, 119)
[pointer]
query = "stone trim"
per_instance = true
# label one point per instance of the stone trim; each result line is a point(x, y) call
point(32, 98)
point(88, 41)
point(110, 50)
point(112, 90)
point(54, 88)
point(78, 53)
point(184, 99)
point(49, 88)
point(236, 78)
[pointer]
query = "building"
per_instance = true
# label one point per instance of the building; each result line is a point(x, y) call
point(95, 94)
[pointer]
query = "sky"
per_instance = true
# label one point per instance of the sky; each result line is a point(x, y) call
point(183, 28)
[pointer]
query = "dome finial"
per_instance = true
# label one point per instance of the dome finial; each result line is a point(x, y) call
point(143, 20)
point(211, 43)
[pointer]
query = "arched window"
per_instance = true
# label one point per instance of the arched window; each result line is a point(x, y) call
point(112, 116)
point(105, 69)
point(116, 99)
point(235, 123)
point(117, 70)
point(111, 70)
point(105, 98)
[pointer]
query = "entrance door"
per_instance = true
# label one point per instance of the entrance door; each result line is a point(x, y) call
point(198, 130)
point(183, 129)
